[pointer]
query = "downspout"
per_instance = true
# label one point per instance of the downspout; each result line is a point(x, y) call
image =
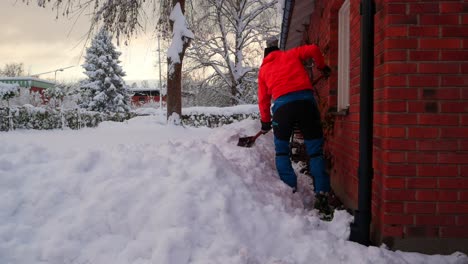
point(360, 229)
point(288, 4)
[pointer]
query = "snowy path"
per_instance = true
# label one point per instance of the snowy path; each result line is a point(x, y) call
point(142, 192)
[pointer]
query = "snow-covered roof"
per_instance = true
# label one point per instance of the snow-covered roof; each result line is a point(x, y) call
point(25, 78)
point(143, 89)
point(296, 15)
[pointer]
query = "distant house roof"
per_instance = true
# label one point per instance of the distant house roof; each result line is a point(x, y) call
point(296, 15)
point(143, 89)
point(27, 82)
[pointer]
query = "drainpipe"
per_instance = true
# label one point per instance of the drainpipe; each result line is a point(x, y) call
point(360, 229)
point(288, 4)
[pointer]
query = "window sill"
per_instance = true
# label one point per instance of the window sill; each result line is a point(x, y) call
point(342, 112)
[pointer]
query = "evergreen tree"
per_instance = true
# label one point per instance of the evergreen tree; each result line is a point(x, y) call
point(104, 90)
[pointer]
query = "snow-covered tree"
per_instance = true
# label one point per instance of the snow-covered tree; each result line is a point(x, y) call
point(104, 90)
point(180, 41)
point(229, 41)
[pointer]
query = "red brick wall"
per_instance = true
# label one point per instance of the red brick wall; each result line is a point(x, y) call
point(421, 102)
point(420, 186)
point(342, 142)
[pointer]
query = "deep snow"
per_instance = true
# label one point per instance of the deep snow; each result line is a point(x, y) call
point(145, 192)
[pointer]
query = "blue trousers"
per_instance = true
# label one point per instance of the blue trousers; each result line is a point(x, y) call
point(299, 110)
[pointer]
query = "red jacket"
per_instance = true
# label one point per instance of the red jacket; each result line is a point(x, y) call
point(282, 72)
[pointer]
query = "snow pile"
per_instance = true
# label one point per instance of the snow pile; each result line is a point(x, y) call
point(148, 111)
point(144, 192)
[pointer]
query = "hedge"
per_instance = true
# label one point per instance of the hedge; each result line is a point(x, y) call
point(214, 120)
point(30, 117)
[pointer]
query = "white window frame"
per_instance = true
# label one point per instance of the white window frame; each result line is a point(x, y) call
point(343, 56)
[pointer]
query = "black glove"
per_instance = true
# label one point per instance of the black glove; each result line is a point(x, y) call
point(266, 126)
point(326, 71)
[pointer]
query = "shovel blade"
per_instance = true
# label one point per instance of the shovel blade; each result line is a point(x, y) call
point(246, 142)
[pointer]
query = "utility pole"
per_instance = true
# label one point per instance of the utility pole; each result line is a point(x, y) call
point(160, 81)
point(55, 78)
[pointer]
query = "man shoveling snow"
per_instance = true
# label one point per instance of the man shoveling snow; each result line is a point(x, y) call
point(282, 77)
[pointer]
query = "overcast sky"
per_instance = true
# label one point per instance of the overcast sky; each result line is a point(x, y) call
point(33, 36)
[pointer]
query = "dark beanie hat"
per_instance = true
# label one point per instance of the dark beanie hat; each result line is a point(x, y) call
point(271, 45)
point(272, 41)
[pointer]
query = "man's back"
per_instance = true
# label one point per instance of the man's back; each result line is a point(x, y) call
point(282, 72)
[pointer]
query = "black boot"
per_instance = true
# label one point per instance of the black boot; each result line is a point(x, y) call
point(322, 205)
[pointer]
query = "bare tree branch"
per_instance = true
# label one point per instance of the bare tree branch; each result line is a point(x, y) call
point(230, 33)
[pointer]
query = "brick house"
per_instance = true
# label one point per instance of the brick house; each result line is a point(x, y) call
point(420, 123)
point(141, 96)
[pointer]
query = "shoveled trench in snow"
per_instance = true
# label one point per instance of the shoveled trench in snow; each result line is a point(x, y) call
point(146, 192)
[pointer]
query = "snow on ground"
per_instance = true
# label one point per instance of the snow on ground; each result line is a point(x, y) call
point(143, 192)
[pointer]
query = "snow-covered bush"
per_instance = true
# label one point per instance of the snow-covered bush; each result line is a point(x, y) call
point(104, 90)
point(8, 91)
point(26, 96)
point(214, 120)
point(73, 96)
point(207, 116)
point(217, 116)
point(30, 117)
point(55, 95)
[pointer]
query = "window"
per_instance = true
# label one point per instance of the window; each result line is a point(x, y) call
point(343, 56)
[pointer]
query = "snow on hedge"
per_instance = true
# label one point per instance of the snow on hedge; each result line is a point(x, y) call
point(8, 91)
point(238, 109)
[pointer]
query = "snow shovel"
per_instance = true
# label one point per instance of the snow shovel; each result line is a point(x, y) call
point(248, 141)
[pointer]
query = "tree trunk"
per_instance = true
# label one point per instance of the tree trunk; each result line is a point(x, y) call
point(174, 79)
point(174, 90)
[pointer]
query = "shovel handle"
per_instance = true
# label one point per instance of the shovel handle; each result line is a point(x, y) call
point(257, 135)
